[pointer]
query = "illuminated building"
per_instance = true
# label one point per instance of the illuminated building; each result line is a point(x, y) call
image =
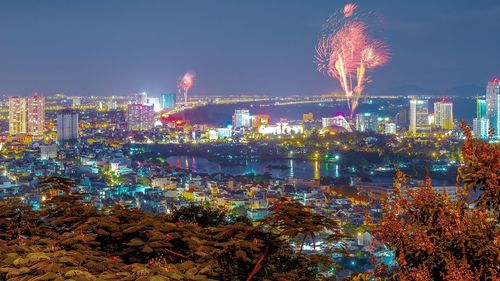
point(48, 151)
point(481, 123)
point(493, 104)
point(360, 122)
point(67, 125)
point(281, 128)
point(480, 127)
point(443, 114)
point(419, 115)
point(260, 120)
point(76, 101)
point(140, 117)
point(223, 133)
point(390, 128)
point(17, 115)
point(140, 98)
point(212, 135)
point(403, 118)
point(112, 105)
point(36, 115)
point(366, 122)
point(155, 102)
point(167, 101)
point(338, 121)
point(241, 118)
point(480, 108)
point(308, 117)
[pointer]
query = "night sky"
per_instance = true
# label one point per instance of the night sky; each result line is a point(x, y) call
point(106, 47)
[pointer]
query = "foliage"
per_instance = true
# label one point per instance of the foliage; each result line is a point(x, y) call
point(70, 239)
point(202, 214)
point(481, 170)
point(437, 238)
point(55, 184)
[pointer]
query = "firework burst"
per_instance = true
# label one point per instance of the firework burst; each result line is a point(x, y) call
point(347, 52)
point(184, 84)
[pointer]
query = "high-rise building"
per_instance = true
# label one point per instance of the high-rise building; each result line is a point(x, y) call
point(140, 117)
point(443, 114)
point(36, 115)
point(371, 121)
point(167, 100)
point(241, 118)
point(480, 127)
point(67, 125)
point(366, 122)
point(480, 108)
point(155, 101)
point(419, 115)
point(360, 122)
point(76, 101)
point(17, 115)
point(493, 104)
point(112, 105)
point(390, 128)
point(140, 98)
point(403, 118)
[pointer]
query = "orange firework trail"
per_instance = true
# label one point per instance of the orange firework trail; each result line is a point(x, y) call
point(184, 84)
point(347, 52)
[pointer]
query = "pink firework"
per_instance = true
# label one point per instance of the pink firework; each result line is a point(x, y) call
point(348, 53)
point(185, 83)
point(349, 9)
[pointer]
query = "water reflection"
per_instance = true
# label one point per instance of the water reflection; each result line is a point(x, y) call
point(316, 170)
point(281, 168)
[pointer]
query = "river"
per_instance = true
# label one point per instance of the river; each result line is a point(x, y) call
point(280, 168)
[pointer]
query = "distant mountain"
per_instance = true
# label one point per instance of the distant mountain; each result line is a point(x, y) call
point(462, 90)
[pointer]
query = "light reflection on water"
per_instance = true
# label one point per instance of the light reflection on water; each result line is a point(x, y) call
point(291, 168)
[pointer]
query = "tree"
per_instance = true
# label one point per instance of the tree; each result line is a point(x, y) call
point(53, 185)
point(202, 214)
point(481, 170)
point(436, 238)
point(70, 239)
point(289, 219)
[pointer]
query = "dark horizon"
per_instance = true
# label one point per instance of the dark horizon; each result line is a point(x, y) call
point(118, 47)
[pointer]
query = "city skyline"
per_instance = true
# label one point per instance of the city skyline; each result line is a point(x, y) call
point(122, 47)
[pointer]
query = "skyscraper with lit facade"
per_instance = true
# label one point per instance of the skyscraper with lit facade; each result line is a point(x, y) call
point(67, 125)
point(480, 108)
point(140, 117)
point(403, 118)
point(480, 127)
point(36, 115)
point(443, 114)
point(419, 115)
point(140, 98)
point(241, 118)
point(366, 122)
point(492, 104)
point(167, 100)
point(17, 115)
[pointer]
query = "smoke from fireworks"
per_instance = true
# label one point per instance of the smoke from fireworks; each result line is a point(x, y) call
point(346, 52)
point(185, 83)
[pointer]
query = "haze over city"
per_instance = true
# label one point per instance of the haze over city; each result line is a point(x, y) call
point(236, 47)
